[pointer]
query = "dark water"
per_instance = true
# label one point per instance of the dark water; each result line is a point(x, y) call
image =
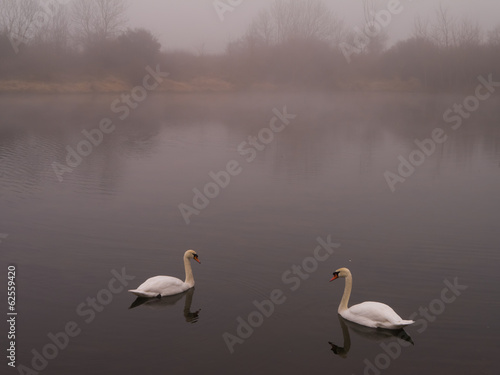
point(321, 178)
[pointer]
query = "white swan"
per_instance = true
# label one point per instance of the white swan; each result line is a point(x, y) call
point(160, 286)
point(370, 314)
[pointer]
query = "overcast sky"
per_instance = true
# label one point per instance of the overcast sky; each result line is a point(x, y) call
point(191, 24)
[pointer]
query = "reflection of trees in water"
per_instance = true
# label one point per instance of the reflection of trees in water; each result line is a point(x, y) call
point(329, 129)
point(40, 131)
point(356, 128)
point(22, 159)
point(478, 138)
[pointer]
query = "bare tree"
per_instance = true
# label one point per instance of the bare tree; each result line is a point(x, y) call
point(449, 32)
point(442, 30)
point(494, 36)
point(98, 20)
point(420, 28)
point(369, 10)
point(17, 20)
point(55, 32)
point(262, 29)
point(378, 36)
point(467, 33)
point(287, 20)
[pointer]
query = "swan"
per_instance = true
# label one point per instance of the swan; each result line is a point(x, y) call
point(160, 286)
point(370, 314)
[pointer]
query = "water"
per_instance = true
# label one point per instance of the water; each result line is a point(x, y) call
point(320, 178)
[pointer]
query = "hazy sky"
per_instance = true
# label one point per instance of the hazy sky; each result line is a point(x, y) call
point(191, 24)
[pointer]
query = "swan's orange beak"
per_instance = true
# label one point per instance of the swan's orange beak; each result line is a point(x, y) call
point(334, 277)
point(197, 260)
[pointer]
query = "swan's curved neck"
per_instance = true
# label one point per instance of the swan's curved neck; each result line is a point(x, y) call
point(189, 272)
point(347, 293)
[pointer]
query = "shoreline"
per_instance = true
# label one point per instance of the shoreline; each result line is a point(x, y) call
point(113, 85)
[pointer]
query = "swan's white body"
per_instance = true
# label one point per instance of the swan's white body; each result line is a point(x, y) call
point(160, 286)
point(370, 314)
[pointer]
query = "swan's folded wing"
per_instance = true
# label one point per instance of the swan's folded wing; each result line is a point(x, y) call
point(379, 314)
point(163, 285)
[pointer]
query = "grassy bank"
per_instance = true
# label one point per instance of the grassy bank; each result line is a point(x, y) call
point(110, 85)
point(202, 84)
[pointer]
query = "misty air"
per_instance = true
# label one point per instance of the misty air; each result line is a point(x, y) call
point(249, 186)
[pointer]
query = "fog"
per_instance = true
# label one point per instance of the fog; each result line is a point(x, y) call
point(192, 24)
point(280, 140)
point(95, 46)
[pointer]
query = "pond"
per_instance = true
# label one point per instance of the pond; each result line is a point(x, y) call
point(275, 192)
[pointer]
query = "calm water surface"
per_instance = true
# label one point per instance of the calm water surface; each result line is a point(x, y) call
point(322, 176)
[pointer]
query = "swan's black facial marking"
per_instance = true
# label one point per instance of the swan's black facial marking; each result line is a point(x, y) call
point(335, 276)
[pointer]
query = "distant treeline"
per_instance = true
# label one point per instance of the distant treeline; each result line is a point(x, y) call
point(292, 43)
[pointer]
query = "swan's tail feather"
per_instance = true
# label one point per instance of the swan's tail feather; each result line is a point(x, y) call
point(141, 293)
point(406, 322)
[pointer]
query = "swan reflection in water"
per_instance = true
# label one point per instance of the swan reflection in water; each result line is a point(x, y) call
point(163, 302)
point(374, 334)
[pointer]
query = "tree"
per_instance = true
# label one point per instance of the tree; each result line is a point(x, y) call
point(96, 21)
point(141, 43)
point(293, 20)
point(54, 35)
point(467, 33)
point(412, 58)
point(135, 49)
point(420, 28)
point(17, 20)
point(378, 36)
point(494, 37)
point(442, 29)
